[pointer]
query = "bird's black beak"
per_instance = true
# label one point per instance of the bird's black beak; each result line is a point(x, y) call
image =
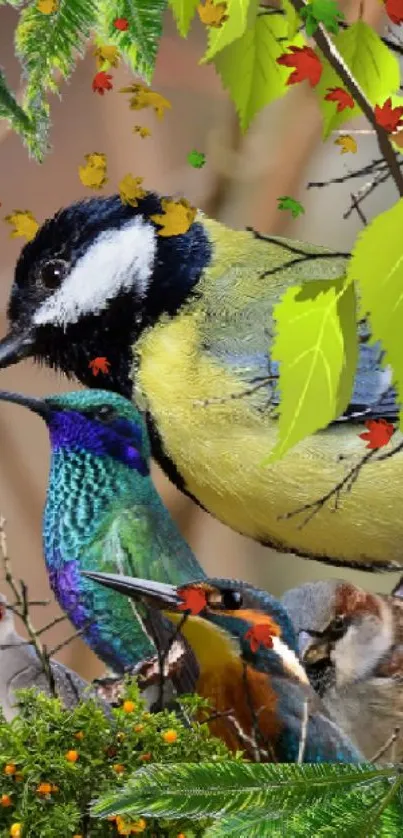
point(39, 406)
point(16, 346)
point(311, 648)
point(157, 594)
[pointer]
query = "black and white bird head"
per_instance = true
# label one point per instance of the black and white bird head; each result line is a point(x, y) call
point(94, 276)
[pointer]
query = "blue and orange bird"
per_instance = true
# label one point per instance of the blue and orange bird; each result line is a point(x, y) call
point(187, 324)
point(103, 513)
point(245, 648)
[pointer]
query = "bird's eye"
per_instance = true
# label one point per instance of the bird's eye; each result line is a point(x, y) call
point(53, 272)
point(338, 626)
point(225, 600)
point(105, 413)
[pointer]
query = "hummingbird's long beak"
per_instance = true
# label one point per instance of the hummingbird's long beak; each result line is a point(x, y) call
point(38, 406)
point(15, 346)
point(157, 594)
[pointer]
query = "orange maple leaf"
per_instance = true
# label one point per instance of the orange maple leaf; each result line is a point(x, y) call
point(378, 434)
point(260, 635)
point(102, 81)
point(342, 97)
point(389, 118)
point(394, 10)
point(307, 65)
point(194, 600)
point(100, 364)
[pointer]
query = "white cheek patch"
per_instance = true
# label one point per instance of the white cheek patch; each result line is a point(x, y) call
point(289, 659)
point(116, 261)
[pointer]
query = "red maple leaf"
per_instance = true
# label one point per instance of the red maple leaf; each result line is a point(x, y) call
point(121, 23)
point(99, 365)
point(389, 118)
point(341, 96)
point(307, 65)
point(260, 635)
point(194, 600)
point(394, 10)
point(378, 434)
point(102, 81)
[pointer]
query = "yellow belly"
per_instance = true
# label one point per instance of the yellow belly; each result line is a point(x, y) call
point(218, 449)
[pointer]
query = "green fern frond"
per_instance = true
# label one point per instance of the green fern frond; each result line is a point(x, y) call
point(214, 790)
point(139, 43)
point(31, 126)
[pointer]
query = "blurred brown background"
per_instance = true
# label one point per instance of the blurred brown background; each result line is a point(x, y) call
point(239, 185)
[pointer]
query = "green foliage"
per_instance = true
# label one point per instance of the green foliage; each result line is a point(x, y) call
point(321, 11)
point(36, 742)
point(139, 43)
point(377, 265)
point(374, 67)
point(316, 342)
point(267, 799)
point(18, 118)
point(285, 202)
point(241, 16)
point(183, 12)
point(249, 70)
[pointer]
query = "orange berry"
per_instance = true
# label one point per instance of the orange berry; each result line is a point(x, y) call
point(118, 768)
point(145, 757)
point(181, 835)
point(129, 706)
point(44, 788)
point(16, 830)
point(5, 800)
point(10, 768)
point(138, 728)
point(79, 735)
point(170, 736)
point(72, 756)
point(18, 777)
point(138, 826)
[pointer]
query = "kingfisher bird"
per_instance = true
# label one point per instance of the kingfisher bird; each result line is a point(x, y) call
point(184, 326)
point(103, 512)
point(245, 648)
point(351, 643)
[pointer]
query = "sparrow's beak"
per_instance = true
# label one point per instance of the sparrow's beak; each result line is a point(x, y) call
point(15, 346)
point(157, 594)
point(312, 649)
point(39, 406)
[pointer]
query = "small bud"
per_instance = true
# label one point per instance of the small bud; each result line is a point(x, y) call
point(16, 830)
point(145, 757)
point(138, 728)
point(72, 756)
point(79, 735)
point(44, 788)
point(170, 736)
point(5, 800)
point(129, 706)
point(118, 768)
point(10, 769)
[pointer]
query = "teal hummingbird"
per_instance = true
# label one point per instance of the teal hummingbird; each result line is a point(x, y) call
point(103, 513)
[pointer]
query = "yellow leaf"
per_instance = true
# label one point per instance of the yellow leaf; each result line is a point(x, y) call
point(213, 15)
point(177, 217)
point(47, 7)
point(25, 225)
point(142, 131)
point(96, 159)
point(106, 54)
point(130, 190)
point(93, 174)
point(347, 143)
point(145, 98)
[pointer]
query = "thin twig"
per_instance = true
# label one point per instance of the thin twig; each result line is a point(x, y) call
point(355, 204)
point(304, 732)
point(388, 744)
point(369, 169)
point(267, 379)
point(70, 639)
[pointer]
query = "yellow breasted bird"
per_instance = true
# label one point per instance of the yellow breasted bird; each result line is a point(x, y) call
point(245, 649)
point(183, 324)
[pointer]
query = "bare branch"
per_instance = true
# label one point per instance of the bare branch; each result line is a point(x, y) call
point(388, 744)
point(304, 732)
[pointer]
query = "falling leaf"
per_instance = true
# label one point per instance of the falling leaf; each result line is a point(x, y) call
point(321, 11)
point(177, 217)
point(378, 434)
point(347, 143)
point(194, 600)
point(213, 15)
point(389, 118)
point(100, 364)
point(342, 97)
point(130, 190)
point(394, 10)
point(260, 635)
point(106, 54)
point(142, 131)
point(102, 81)
point(121, 23)
point(47, 7)
point(308, 66)
point(196, 159)
point(25, 225)
point(93, 174)
point(287, 203)
point(145, 98)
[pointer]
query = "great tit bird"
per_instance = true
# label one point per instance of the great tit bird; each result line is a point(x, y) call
point(185, 323)
point(351, 643)
point(244, 645)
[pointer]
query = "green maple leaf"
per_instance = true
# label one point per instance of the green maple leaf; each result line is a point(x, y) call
point(196, 159)
point(287, 203)
point(326, 12)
